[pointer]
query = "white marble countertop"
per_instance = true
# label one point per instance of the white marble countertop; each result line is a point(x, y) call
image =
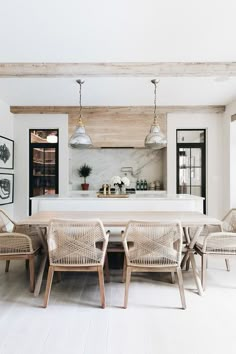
point(92, 195)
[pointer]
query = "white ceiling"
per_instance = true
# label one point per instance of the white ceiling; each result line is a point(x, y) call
point(117, 31)
point(117, 91)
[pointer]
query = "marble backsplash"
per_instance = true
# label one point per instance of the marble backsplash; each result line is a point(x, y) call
point(106, 163)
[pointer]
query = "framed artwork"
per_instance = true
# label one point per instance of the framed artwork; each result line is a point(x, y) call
point(6, 188)
point(6, 153)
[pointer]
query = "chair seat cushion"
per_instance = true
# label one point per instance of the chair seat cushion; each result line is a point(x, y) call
point(147, 261)
point(217, 245)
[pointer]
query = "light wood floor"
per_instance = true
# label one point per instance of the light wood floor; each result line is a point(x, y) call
point(153, 322)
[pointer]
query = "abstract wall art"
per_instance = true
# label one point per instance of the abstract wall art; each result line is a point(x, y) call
point(6, 188)
point(6, 153)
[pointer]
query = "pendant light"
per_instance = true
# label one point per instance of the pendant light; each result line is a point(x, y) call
point(155, 139)
point(80, 140)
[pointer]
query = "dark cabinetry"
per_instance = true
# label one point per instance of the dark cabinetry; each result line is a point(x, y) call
point(191, 163)
point(43, 169)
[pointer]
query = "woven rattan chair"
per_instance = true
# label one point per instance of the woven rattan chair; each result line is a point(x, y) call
point(153, 247)
point(217, 242)
point(75, 245)
point(18, 242)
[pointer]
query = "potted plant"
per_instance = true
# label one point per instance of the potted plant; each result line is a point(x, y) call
point(84, 171)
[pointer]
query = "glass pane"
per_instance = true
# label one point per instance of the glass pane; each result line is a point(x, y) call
point(190, 136)
point(196, 181)
point(44, 171)
point(43, 136)
point(184, 180)
point(184, 158)
point(196, 157)
point(50, 161)
point(196, 191)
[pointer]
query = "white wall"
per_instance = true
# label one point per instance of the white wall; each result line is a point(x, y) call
point(213, 124)
point(233, 164)
point(22, 124)
point(229, 157)
point(6, 130)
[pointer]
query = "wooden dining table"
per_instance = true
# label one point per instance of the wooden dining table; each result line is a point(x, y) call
point(188, 219)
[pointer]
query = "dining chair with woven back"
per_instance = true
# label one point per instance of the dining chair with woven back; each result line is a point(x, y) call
point(18, 243)
point(78, 246)
point(153, 247)
point(217, 242)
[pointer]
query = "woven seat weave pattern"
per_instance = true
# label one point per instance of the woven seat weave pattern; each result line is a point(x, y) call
point(153, 243)
point(218, 242)
point(229, 221)
point(14, 239)
point(214, 240)
point(75, 242)
point(13, 243)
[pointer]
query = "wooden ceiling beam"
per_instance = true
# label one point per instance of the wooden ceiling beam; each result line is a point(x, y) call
point(129, 69)
point(141, 109)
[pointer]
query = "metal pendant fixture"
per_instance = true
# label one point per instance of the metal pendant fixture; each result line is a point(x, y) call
point(155, 139)
point(80, 140)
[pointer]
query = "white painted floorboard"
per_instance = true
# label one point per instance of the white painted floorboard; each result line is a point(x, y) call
point(153, 322)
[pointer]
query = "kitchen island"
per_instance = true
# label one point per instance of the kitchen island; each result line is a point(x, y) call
point(140, 201)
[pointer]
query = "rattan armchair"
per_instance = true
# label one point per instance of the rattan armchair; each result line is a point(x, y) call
point(75, 245)
point(153, 247)
point(18, 242)
point(217, 242)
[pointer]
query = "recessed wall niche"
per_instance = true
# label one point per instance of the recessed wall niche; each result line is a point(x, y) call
point(106, 163)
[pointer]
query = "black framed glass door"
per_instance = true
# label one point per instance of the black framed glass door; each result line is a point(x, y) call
point(191, 163)
point(43, 169)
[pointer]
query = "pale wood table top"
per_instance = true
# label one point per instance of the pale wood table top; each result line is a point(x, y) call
point(120, 218)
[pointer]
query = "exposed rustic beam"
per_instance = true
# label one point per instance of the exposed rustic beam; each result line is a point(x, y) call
point(142, 109)
point(152, 69)
point(233, 117)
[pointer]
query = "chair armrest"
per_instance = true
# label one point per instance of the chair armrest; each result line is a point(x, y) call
point(13, 242)
point(220, 241)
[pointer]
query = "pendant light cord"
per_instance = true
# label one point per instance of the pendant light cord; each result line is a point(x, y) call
point(155, 101)
point(155, 82)
point(80, 82)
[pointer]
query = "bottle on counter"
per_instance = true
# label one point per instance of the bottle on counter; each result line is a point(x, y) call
point(141, 185)
point(145, 185)
point(137, 185)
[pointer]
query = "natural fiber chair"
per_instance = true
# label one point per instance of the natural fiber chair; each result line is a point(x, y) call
point(153, 247)
point(75, 245)
point(217, 242)
point(18, 242)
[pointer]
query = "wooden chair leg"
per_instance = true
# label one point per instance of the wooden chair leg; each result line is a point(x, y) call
point(107, 271)
point(32, 274)
point(124, 269)
point(48, 286)
point(172, 277)
point(196, 274)
point(181, 287)
point(101, 286)
point(127, 282)
point(203, 271)
point(7, 266)
point(187, 264)
point(26, 264)
point(227, 264)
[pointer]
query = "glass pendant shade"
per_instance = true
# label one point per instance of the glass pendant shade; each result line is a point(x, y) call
point(155, 139)
point(80, 140)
